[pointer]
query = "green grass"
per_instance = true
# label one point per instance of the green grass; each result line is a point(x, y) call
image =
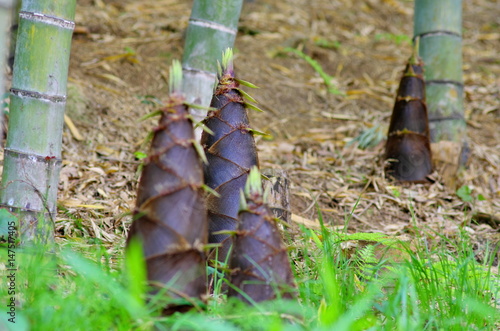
point(327, 79)
point(383, 284)
point(398, 39)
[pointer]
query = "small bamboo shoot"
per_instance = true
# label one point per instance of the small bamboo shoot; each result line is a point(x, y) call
point(260, 268)
point(408, 146)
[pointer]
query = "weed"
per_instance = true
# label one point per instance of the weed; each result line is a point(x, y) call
point(317, 67)
point(426, 288)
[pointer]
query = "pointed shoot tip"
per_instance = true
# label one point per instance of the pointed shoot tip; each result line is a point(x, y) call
point(227, 60)
point(414, 56)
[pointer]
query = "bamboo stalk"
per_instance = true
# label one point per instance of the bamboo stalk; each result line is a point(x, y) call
point(14, 25)
point(212, 29)
point(6, 8)
point(32, 157)
point(439, 26)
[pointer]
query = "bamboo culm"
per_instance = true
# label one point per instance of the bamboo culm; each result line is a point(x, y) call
point(6, 9)
point(32, 157)
point(212, 28)
point(438, 24)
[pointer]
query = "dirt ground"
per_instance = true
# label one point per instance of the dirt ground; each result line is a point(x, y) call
point(121, 54)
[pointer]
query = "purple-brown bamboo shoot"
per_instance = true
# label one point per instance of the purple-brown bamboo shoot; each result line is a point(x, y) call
point(260, 267)
point(231, 153)
point(170, 216)
point(407, 150)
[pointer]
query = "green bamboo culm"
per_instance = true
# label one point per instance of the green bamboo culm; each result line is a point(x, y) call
point(439, 26)
point(14, 25)
point(6, 8)
point(32, 157)
point(212, 29)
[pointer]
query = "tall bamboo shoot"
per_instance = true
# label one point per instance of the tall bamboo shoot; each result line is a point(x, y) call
point(170, 217)
point(231, 153)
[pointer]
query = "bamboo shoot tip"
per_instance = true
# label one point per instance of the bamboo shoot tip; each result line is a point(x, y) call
point(227, 60)
point(414, 59)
